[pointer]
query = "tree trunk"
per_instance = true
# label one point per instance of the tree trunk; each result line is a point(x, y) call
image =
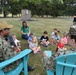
point(4, 13)
point(12, 15)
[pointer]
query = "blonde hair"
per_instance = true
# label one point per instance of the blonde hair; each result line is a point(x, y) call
point(34, 38)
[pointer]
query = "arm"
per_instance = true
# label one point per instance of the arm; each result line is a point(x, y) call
point(28, 31)
point(30, 45)
point(23, 32)
point(47, 38)
point(13, 44)
point(17, 49)
point(59, 47)
point(41, 39)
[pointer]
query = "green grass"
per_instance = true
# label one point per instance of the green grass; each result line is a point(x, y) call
point(38, 25)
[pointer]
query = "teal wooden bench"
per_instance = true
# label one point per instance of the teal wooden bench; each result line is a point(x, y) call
point(22, 66)
point(65, 65)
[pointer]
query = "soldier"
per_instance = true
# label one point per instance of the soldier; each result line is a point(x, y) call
point(6, 50)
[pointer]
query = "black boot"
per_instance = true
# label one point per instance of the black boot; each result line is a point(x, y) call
point(31, 68)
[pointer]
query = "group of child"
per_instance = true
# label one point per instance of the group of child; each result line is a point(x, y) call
point(61, 42)
point(44, 40)
point(55, 39)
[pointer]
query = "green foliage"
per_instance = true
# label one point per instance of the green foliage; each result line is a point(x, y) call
point(69, 7)
point(40, 7)
point(14, 0)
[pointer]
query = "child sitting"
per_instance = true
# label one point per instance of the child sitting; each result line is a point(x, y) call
point(56, 37)
point(60, 46)
point(33, 45)
point(45, 39)
point(17, 42)
point(64, 37)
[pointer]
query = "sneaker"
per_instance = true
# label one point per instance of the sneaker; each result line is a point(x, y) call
point(45, 45)
point(31, 68)
point(38, 52)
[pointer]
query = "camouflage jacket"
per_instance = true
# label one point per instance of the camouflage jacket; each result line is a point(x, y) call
point(6, 52)
point(49, 62)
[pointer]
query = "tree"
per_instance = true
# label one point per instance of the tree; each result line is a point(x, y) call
point(4, 4)
point(69, 7)
point(14, 7)
point(39, 7)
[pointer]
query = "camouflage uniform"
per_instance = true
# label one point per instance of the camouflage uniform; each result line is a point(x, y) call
point(49, 62)
point(6, 52)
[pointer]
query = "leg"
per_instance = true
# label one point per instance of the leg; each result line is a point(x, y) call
point(34, 50)
point(25, 37)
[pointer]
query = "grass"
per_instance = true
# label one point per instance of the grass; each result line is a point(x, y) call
point(38, 25)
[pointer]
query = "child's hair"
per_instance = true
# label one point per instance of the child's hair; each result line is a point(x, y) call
point(65, 34)
point(58, 31)
point(55, 28)
point(14, 35)
point(32, 33)
point(34, 38)
point(23, 22)
point(45, 32)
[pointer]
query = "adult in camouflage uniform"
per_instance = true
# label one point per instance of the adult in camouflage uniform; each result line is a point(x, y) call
point(49, 62)
point(6, 51)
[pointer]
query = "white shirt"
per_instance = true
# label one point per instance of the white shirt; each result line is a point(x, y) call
point(16, 42)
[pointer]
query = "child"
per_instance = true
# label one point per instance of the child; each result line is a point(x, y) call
point(64, 37)
point(33, 45)
point(60, 46)
point(17, 42)
point(56, 38)
point(45, 39)
point(30, 37)
point(53, 33)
